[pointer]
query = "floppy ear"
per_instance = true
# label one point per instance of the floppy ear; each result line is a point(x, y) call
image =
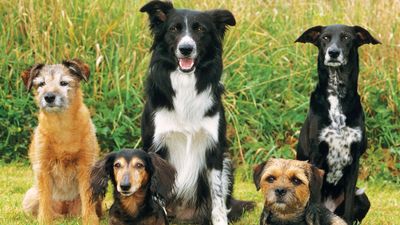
point(316, 180)
point(163, 176)
point(222, 18)
point(78, 68)
point(311, 35)
point(157, 11)
point(29, 74)
point(257, 173)
point(364, 37)
point(100, 173)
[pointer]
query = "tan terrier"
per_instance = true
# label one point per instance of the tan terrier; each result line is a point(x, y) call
point(291, 190)
point(64, 145)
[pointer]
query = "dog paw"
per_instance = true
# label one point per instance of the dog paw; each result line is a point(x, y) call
point(219, 216)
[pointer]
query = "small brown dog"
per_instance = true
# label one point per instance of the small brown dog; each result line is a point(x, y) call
point(142, 184)
point(292, 194)
point(64, 145)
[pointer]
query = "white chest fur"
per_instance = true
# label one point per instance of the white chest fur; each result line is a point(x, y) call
point(337, 135)
point(186, 132)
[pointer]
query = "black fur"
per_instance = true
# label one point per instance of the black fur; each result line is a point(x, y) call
point(208, 64)
point(310, 147)
point(162, 177)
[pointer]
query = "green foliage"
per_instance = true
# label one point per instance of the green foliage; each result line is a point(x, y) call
point(268, 78)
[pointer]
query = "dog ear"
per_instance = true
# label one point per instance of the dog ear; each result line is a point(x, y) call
point(163, 176)
point(222, 18)
point(29, 74)
point(311, 35)
point(100, 173)
point(316, 180)
point(257, 173)
point(78, 68)
point(157, 11)
point(364, 37)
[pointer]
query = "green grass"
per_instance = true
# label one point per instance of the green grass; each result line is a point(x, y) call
point(384, 210)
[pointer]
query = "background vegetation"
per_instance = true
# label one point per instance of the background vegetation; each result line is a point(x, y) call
point(268, 80)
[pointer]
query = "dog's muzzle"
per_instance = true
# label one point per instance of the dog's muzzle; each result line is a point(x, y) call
point(186, 54)
point(51, 102)
point(334, 57)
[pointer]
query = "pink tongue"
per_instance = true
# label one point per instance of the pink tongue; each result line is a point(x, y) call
point(186, 63)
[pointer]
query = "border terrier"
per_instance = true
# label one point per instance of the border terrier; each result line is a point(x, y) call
point(64, 145)
point(291, 190)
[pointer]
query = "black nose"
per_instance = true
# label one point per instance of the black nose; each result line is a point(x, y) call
point(125, 186)
point(280, 192)
point(334, 53)
point(49, 97)
point(186, 50)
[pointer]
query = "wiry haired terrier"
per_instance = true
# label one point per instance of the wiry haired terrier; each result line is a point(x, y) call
point(64, 145)
point(292, 194)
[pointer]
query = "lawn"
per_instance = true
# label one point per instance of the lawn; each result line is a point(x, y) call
point(16, 179)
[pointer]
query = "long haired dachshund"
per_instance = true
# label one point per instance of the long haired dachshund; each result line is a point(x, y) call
point(142, 182)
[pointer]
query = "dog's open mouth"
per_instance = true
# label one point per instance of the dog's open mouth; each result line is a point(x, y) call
point(186, 64)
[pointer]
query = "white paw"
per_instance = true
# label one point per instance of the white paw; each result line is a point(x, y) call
point(219, 216)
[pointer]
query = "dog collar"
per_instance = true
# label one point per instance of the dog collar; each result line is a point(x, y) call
point(160, 202)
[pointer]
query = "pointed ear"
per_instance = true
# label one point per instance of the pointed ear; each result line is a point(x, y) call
point(163, 176)
point(157, 11)
point(364, 37)
point(311, 35)
point(100, 173)
point(222, 19)
point(78, 68)
point(316, 180)
point(29, 74)
point(257, 173)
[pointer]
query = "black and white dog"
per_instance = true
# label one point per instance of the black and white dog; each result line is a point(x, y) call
point(183, 120)
point(333, 135)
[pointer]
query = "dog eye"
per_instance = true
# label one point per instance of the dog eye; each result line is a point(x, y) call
point(270, 179)
point(326, 38)
point(296, 181)
point(41, 84)
point(117, 165)
point(345, 37)
point(63, 83)
point(174, 28)
point(139, 165)
point(198, 28)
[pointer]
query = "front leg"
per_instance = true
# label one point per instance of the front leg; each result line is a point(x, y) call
point(45, 186)
point(349, 192)
point(89, 216)
point(219, 180)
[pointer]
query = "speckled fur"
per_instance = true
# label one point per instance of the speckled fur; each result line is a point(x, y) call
point(338, 135)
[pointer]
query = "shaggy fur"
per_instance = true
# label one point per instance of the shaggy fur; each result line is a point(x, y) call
point(64, 145)
point(333, 135)
point(291, 190)
point(142, 181)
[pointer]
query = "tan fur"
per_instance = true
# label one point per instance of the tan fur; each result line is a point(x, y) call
point(135, 170)
point(283, 171)
point(63, 149)
point(132, 203)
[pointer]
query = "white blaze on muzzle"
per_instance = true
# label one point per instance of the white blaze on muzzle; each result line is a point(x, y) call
point(334, 62)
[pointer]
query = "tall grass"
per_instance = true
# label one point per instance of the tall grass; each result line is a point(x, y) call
point(268, 78)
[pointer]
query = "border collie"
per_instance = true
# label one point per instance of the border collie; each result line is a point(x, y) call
point(183, 120)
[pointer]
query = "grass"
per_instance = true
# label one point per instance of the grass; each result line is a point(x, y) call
point(268, 80)
point(384, 210)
